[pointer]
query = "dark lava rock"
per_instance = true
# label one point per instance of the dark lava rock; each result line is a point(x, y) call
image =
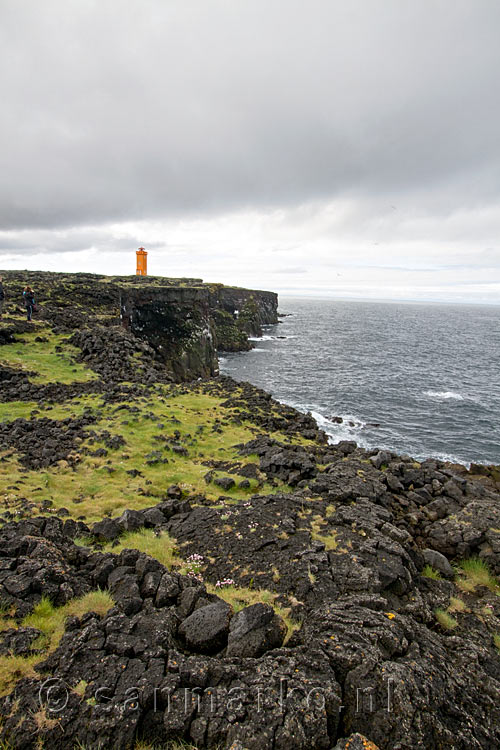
point(291, 465)
point(106, 530)
point(43, 442)
point(346, 447)
point(40, 562)
point(153, 517)
point(18, 641)
point(369, 662)
point(255, 630)
point(438, 562)
point(206, 630)
point(111, 351)
point(130, 520)
point(226, 483)
point(174, 492)
point(382, 457)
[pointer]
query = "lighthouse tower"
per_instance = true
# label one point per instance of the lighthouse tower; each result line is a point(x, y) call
point(142, 262)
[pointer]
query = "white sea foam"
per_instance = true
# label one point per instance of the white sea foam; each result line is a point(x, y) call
point(444, 395)
point(445, 457)
point(349, 429)
point(266, 337)
point(349, 422)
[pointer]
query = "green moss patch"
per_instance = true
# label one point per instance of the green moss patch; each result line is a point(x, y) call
point(52, 359)
point(170, 436)
point(50, 620)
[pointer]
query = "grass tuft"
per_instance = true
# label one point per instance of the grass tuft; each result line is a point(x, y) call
point(160, 546)
point(15, 668)
point(83, 541)
point(445, 620)
point(80, 688)
point(329, 540)
point(430, 572)
point(50, 620)
point(474, 572)
point(457, 605)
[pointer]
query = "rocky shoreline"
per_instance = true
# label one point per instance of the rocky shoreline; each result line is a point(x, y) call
point(194, 563)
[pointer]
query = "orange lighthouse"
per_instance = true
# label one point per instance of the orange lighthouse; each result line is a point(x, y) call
point(142, 262)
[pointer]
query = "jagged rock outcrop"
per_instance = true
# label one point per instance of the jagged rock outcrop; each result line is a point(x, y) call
point(179, 323)
point(172, 660)
point(117, 355)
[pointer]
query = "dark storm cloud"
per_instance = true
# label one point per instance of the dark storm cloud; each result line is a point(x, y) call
point(117, 111)
point(48, 241)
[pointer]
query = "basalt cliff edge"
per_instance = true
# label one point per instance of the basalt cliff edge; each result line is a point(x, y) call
point(187, 563)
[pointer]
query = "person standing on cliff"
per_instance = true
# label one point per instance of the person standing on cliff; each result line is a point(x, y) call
point(2, 296)
point(29, 301)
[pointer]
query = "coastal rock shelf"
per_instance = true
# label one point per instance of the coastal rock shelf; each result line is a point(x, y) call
point(193, 564)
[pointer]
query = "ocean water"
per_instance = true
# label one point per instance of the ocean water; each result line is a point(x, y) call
point(422, 379)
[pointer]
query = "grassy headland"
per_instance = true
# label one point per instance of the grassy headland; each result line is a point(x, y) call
point(133, 508)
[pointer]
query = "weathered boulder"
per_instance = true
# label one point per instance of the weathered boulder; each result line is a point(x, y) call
point(380, 458)
point(226, 483)
point(291, 465)
point(207, 629)
point(471, 530)
point(153, 517)
point(106, 530)
point(130, 520)
point(255, 630)
point(168, 590)
point(438, 562)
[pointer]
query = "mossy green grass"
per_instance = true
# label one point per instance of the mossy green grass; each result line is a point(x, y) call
point(42, 358)
point(474, 572)
point(50, 621)
point(92, 487)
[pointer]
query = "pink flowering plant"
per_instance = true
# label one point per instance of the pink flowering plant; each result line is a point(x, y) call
point(225, 582)
point(194, 564)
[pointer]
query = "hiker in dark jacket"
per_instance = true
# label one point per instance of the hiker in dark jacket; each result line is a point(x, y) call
point(29, 301)
point(2, 296)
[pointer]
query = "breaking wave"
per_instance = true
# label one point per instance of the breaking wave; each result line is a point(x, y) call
point(444, 395)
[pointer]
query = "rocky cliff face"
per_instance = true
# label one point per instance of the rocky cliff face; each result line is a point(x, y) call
point(178, 323)
point(188, 324)
point(239, 313)
point(252, 309)
point(184, 320)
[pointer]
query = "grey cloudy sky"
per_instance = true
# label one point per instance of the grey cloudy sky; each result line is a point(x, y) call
point(346, 147)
